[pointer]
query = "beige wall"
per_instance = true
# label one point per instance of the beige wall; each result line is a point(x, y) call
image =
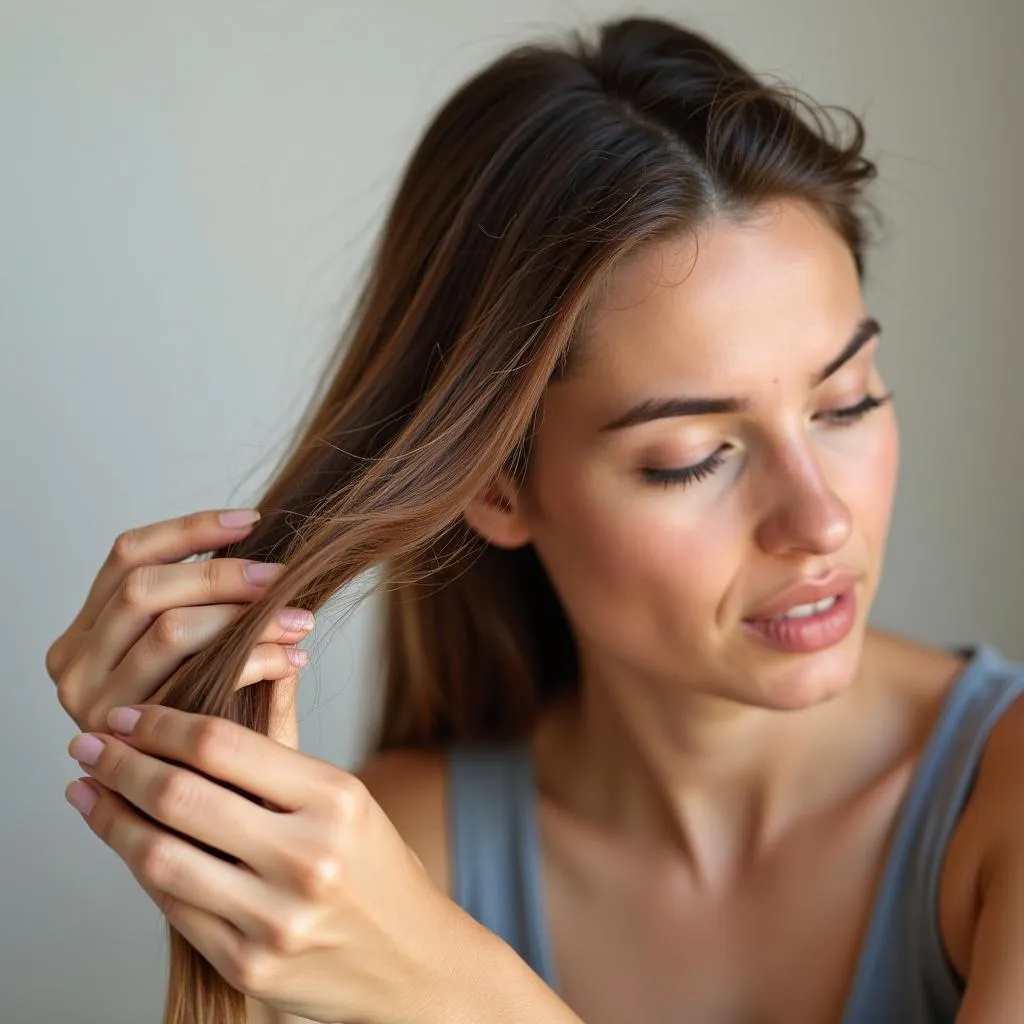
point(186, 190)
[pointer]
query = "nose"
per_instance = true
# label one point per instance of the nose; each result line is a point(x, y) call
point(804, 514)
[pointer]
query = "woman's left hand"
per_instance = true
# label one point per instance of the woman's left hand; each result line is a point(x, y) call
point(327, 914)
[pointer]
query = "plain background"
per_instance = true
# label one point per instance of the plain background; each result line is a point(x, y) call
point(187, 190)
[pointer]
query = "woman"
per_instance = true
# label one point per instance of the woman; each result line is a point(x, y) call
point(609, 420)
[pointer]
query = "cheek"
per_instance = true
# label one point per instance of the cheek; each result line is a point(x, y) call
point(869, 484)
point(632, 561)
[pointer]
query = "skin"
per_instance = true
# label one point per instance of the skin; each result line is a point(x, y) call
point(714, 813)
point(683, 817)
point(321, 910)
point(680, 701)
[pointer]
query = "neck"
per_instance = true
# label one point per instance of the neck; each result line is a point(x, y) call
point(717, 781)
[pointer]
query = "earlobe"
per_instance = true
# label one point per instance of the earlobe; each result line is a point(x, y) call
point(496, 514)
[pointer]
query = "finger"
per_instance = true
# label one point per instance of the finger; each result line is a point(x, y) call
point(284, 719)
point(266, 662)
point(271, 662)
point(220, 942)
point(184, 800)
point(91, 685)
point(279, 669)
point(88, 690)
point(151, 591)
point(167, 541)
point(230, 752)
point(154, 660)
point(178, 876)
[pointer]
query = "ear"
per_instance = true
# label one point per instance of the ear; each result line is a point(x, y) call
point(497, 514)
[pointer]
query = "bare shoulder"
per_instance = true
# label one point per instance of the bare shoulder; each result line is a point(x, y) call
point(923, 675)
point(410, 786)
point(988, 837)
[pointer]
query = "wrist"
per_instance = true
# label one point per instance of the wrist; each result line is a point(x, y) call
point(485, 979)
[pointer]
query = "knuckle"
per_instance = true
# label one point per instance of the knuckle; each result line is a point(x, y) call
point(72, 693)
point(67, 693)
point(113, 761)
point(249, 969)
point(191, 521)
point(168, 905)
point(175, 795)
point(214, 744)
point(211, 576)
point(95, 719)
point(102, 821)
point(55, 659)
point(153, 725)
point(348, 797)
point(319, 874)
point(125, 546)
point(172, 628)
point(287, 933)
point(157, 864)
point(161, 730)
point(137, 586)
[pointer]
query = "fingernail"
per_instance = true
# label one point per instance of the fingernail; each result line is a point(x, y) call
point(262, 572)
point(86, 748)
point(297, 656)
point(81, 796)
point(123, 720)
point(239, 517)
point(296, 618)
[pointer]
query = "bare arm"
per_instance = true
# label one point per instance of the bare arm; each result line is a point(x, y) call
point(489, 981)
point(492, 983)
point(260, 1013)
point(995, 986)
point(995, 982)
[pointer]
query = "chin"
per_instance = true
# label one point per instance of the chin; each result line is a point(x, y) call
point(793, 682)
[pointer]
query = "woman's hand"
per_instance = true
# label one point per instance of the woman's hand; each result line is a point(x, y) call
point(147, 611)
point(327, 914)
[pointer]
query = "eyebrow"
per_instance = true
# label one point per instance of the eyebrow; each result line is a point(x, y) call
point(665, 408)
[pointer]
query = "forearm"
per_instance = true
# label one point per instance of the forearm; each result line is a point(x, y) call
point(490, 982)
point(483, 979)
point(260, 1013)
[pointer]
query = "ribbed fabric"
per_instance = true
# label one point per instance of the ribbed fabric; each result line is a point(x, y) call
point(903, 975)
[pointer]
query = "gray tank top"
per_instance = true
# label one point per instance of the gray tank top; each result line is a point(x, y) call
point(903, 974)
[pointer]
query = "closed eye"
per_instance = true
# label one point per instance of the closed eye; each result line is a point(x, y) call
point(685, 475)
point(852, 413)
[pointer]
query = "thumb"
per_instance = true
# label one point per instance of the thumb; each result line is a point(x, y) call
point(284, 718)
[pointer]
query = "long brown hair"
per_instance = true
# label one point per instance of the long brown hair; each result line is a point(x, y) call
point(533, 180)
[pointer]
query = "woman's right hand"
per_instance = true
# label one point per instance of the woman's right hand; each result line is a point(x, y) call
point(147, 611)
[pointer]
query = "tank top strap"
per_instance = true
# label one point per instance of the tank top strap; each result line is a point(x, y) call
point(494, 843)
point(904, 972)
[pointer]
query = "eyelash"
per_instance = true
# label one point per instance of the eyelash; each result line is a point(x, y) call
point(699, 471)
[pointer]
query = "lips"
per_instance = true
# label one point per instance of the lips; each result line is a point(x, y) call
point(804, 592)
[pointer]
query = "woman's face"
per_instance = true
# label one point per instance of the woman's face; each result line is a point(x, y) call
point(665, 535)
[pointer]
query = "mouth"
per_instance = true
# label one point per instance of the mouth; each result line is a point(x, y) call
point(805, 611)
point(805, 598)
point(807, 627)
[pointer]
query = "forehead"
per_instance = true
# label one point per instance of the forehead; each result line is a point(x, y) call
point(727, 309)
